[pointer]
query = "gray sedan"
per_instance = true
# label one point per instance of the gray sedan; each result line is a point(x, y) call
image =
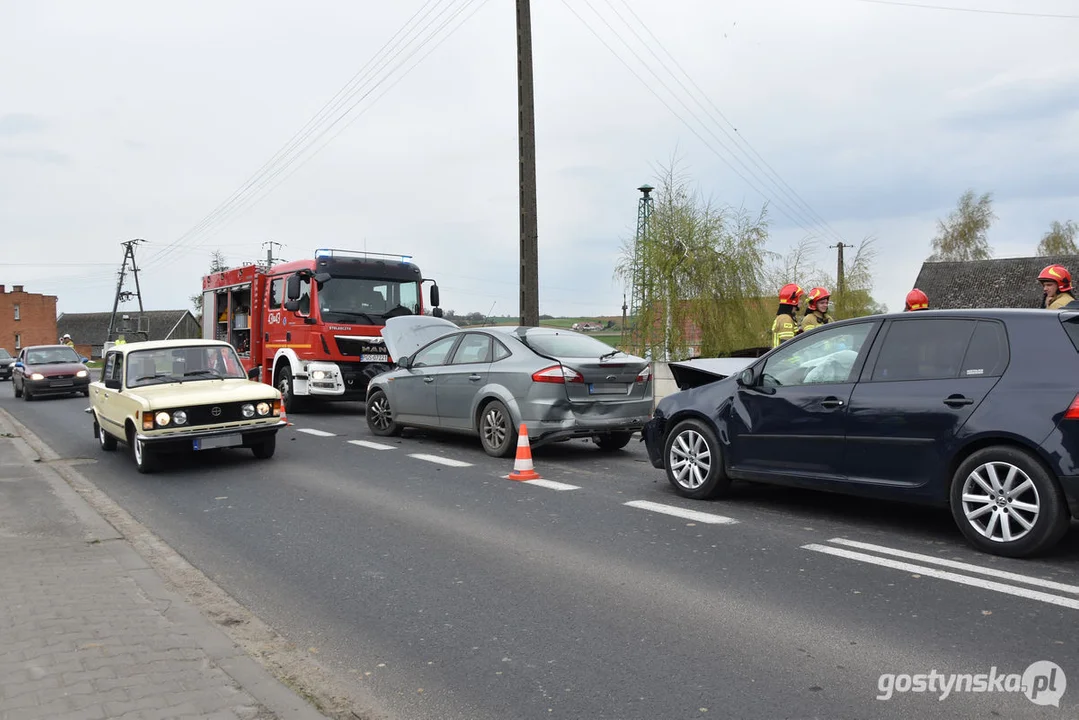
point(487, 381)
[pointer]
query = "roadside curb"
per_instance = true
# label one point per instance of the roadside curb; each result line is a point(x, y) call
point(283, 678)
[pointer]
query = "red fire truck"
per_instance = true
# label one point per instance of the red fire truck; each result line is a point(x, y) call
point(311, 327)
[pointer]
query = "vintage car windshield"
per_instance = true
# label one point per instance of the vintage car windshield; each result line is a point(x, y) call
point(367, 300)
point(52, 356)
point(182, 364)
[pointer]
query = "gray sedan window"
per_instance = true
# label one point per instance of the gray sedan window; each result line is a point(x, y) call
point(474, 348)
point(435, 353)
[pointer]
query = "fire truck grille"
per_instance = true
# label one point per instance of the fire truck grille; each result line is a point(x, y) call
point(354, 347)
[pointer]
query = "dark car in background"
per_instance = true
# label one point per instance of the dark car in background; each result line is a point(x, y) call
point(974, 410)
point(6, 364)
point(50, 370)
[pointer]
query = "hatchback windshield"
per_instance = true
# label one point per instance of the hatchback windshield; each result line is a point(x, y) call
point(52, 356)
point(567, 345)
point(182, 364)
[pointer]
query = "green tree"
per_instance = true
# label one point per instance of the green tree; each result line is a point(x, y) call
point(963, 236)
point(1060, 240)
point(698, 265)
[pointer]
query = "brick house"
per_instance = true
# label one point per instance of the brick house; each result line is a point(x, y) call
point(997, 283)
point(26, 319)
point(88, 330)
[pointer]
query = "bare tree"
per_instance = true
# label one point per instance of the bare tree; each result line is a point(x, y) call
point(217, 264)
point(1060, 240)
point(964, 235)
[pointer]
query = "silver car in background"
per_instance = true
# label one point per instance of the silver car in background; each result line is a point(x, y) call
point(487, 381)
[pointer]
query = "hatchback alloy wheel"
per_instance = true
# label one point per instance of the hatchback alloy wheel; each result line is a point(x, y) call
point(693, 461)
point(1001, 502)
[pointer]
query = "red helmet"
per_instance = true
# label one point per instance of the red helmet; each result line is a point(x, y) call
point(791, 294)
point(817, 294)
point(917, 300)
point(1058, 274)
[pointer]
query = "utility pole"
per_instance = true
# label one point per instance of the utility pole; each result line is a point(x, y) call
point(121, 294)
point(270, 259)
point(526, 125)
point(839, 280)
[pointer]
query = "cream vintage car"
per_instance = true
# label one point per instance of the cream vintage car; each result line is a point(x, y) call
point(181, 396)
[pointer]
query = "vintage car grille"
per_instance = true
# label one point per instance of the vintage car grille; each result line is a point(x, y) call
point(204, 414)
point(355, 347)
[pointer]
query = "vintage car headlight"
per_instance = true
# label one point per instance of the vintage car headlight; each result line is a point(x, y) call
point(179, 417)
point(248, 410)
point(263, 408)
point(37, 376)
point(162, 418)
point(319, 375)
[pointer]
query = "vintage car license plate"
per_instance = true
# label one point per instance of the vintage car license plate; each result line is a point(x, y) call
point(607, 388)
point(374, 357)
point(218, 441)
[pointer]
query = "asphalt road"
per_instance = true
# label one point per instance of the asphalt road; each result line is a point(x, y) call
point(422, 574)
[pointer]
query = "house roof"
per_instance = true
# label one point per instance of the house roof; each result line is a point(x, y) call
point(92, 328)
point(998, 283)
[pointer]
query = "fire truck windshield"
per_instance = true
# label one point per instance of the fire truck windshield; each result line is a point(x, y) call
point(367, 300)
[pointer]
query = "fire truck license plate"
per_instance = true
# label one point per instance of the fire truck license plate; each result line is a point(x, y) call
point(370, 357)
point(218, 441)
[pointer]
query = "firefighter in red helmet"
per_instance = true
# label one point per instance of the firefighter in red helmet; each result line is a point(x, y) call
point(785, 326)
point(916, 300)
point(1057, 283)
point(816, 309)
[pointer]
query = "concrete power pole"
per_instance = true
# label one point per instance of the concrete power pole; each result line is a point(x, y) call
point(529, 252)
point(839, 279)
point(269, 253)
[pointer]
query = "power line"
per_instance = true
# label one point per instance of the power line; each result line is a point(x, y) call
point(738, 137)
point(1014, 13)
point(264, 174)
point(794, 215)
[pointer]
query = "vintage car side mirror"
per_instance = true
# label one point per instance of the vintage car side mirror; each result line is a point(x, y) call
point(112, 384)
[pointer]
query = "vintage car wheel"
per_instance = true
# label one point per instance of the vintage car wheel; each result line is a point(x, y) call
point(145, 458)
point(1006, 503)
point(106, 441)
point(497, 434)
point(265, 449)
point(613, 441)
point(693, 461)
point(380, 415)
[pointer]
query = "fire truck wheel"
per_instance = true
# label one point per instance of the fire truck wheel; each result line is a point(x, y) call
point(380, 416)
point(292, 403)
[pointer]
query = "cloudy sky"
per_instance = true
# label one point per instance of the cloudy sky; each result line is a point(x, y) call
point(123, 120)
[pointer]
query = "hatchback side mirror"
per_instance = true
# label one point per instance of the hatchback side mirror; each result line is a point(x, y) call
point(747, 378)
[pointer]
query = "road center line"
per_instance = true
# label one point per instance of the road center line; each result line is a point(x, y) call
point(1002, 574)
point(371, 445)
point(551, 484)
point(682, 513)
point(1027, 593)
point(316, 433)
point(441, 460)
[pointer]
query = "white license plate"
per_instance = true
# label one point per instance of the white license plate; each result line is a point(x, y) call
point(608, 388)
point(217, 441)
point(62, 383)
point(370, 357)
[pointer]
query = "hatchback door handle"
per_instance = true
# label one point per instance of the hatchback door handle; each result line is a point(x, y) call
point(831, 402)
point(428, 379)
point(474, 377)
point(957, 401)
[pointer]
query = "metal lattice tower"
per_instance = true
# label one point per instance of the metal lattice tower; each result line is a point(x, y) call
point(640, 290)
point(121, 294)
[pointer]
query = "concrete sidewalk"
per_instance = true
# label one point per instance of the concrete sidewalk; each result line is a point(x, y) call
point(89, 631)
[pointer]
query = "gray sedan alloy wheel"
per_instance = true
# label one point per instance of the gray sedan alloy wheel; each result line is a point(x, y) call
point(497, 435)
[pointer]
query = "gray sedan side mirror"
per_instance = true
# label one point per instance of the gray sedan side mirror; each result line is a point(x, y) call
point(405, 363)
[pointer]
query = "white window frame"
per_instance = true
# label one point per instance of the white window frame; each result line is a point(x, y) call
point(16, 311)
point(18, 341)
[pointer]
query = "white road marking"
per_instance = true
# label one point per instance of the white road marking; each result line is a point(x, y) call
point(371, 445)
point(1002, 574)
point(550, 484)
point(679, 512)
point(441, 460)
point(1022, 592)
point(316, 433)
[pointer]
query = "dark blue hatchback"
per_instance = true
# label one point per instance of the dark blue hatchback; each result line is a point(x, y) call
point(977, 410)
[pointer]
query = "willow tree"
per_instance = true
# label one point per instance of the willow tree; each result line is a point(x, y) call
point(699, 266)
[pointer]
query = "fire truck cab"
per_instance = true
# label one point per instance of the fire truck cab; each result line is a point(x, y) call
point(312, 327)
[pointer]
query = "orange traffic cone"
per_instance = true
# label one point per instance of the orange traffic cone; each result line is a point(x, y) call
point(522, 466)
